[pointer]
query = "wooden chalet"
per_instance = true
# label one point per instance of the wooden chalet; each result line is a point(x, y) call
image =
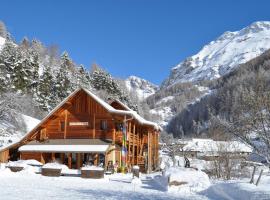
point(83, 128)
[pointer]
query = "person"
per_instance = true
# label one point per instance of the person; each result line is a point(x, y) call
point(116, 166)
point(187, 163)
point(110, 167)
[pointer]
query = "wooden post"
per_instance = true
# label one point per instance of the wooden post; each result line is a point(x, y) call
point(105, 160)
point(113, 136)
point(149, 153)
point(69, 160)
point(78, 160)
point(253, 173)
point(133, 144)
point(62, 155)
point(65, 131)
point(96, 159)
point(42, 158)
point(53, 157)
point(259, 178)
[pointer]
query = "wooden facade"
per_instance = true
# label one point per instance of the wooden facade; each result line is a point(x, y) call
point(84, 116)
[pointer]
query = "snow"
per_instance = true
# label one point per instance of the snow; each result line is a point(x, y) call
point(136, 181)
point(54, 165)
point(9, 137)
point(141, 87)
point(209, 146)
point(164, 113)
point(30, 122)
point(92, 167)
point(239, 190)
point(2, 42)
point(24, 163)
point(112, 187)
point(64, 148)
point(224, 54)
point(123, 186)
point(136, 167)
point(192, 180)
point(165, 100)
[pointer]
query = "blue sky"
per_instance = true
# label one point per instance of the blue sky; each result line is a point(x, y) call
point(130, 37)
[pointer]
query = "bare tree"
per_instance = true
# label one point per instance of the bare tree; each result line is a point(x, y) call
point(250, 117)
point(172, 145)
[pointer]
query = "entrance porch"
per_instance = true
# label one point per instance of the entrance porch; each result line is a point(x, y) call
point(71, 152)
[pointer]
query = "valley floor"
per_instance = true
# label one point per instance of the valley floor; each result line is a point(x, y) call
point(30, 186)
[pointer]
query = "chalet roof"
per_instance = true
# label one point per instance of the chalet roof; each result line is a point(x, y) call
point(68, 145)
point(65, 148)
point(209, 145)
point(121, 104)
point(130, 112)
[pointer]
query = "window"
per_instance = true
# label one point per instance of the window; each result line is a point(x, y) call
point(118, 126)
point(62, 126)
point(103, 125)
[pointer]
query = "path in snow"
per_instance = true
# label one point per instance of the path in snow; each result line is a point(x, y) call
point(32, 187)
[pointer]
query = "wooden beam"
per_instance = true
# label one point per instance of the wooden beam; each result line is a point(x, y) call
point(65, 131)
point(53, 156)
point(133, 144)
point(113, 135)
point(78, 160)
point(69, 160)
point(149, 153)
point(94, 127)
point(62, 155)
point(96, 159)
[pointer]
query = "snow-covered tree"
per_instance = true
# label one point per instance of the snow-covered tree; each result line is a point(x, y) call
point(8, 61)
point(101, 80)
point(45, 95)
point(3, 30)
point(63, 85)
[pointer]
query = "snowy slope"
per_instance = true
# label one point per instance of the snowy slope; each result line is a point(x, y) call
point(2, 42)
point(9, 133)
point(141, 87)
point(222, 55)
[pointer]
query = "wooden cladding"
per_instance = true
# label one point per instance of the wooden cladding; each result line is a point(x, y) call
point(82, 117)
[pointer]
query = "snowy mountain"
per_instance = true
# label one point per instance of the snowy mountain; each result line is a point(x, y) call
point(10, 134)
point(223, 54)
point(2, 42)
point(142, 87)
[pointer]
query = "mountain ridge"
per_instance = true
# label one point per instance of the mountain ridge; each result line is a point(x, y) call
point(222, 55)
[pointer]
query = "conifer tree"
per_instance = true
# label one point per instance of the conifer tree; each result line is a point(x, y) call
point(63, 85)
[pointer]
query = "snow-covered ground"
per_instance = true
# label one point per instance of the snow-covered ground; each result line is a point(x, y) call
point(28, 185)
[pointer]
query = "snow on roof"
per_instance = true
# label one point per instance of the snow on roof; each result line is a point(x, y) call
point(209, 145)
point(65, 148)
point(124, 112)
point(122, 104)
